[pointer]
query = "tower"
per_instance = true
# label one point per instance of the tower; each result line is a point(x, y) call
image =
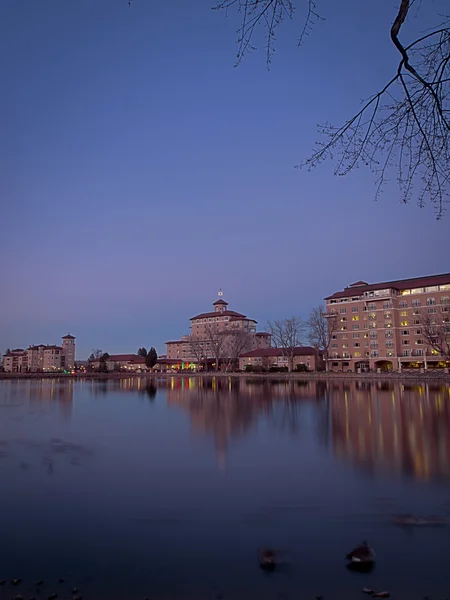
point(220, 305)
point(68, 345)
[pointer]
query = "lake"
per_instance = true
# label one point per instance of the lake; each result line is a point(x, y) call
point(165, 488)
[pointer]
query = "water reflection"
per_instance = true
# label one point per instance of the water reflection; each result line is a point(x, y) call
point(395, 427)
point(39, 393)
point(391, 427)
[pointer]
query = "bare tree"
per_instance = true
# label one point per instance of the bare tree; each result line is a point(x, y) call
point(237, 341)
point(287, 335)
point(198, 348)
point(216, 342)
point(321, 326)
point(435, 329)
point(404, 128)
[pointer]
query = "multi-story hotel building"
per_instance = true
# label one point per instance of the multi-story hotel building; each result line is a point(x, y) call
point(41, 358)
point(205, 327)
point(380, 325)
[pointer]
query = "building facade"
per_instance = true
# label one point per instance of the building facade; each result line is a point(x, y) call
point(41, 358)
point(122, 362)
point(382, 325)
point(268, 358)
point(234, 332)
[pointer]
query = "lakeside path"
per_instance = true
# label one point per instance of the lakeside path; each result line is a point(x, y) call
point(429, 375)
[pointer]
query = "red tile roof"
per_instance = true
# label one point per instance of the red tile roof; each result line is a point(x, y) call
point(68, 337)
point(224, 313)
point(263, 333)
point(401, 284)
point(220, 301)
point(134, 358)
point(176, 342)
point(299, 351)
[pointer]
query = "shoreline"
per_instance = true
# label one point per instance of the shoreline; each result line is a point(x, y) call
point(431, 374)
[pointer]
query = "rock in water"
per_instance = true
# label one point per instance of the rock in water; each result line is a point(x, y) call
point(381, 595)
point(368, 591)
point(52, 597)
point(16, 581)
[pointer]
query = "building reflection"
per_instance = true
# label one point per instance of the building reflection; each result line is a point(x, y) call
point(397, 427)
point(41, 393)
point(228, 408)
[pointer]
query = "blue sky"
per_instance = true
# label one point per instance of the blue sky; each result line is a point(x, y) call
point(141, 172)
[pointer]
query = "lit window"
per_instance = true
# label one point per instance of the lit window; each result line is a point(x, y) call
point(355, 318)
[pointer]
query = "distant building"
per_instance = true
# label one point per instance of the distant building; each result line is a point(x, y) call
point(125, 362)
point(41, 358)
point(267, 358)
point(379, 325)
point(220, 326)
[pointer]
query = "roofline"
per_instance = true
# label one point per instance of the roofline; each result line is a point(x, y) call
point(394, 283)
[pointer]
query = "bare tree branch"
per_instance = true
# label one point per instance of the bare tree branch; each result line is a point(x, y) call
point(321, 326)
point(402, 131)
point(435, 329)
point(287, 335)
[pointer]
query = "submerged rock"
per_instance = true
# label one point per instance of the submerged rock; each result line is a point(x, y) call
point(381, 595)
point(52, 597)
point(368, 591)
point(16, 581)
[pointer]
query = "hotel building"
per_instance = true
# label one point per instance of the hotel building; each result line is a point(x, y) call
point(41, 358)
point(380, 325)
point(205, 327)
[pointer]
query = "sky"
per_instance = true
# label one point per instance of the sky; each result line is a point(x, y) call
point(140, 171)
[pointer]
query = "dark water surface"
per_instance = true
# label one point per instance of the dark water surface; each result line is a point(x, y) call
point(165, 489)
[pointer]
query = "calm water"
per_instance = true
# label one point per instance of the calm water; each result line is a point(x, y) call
point(165, 489)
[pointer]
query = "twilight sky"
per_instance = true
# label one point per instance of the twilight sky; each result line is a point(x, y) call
point(140, 171)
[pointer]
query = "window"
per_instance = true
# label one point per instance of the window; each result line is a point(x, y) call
point(405, 332)
point(405, 352)
point(403, 304)
point(388, 315)
point(374, 354)
point(355, 309)
point(355, 336)
point(357, 354)
point(419, 342)
point(355, 318)
point(389, 344)
point(405, 342)
point(343, 319)
point(374, 344)
point(431, 309)
point(388, 324)
point(345, 345)
point(417, 291)
point(342, 311)
point(372, 325)
point(404, 313)
point(356, 345)
point(387, 305)
point(416, 312)
point(388, 334)
point(334, 345)
point(355, 326)
point(373, 335)
point(343, 328)
point(431, 301)
point(416, 303)
point(404, 323)
point(445, 300)
point(371, 306)
point(418, 331)
point(372, 316)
